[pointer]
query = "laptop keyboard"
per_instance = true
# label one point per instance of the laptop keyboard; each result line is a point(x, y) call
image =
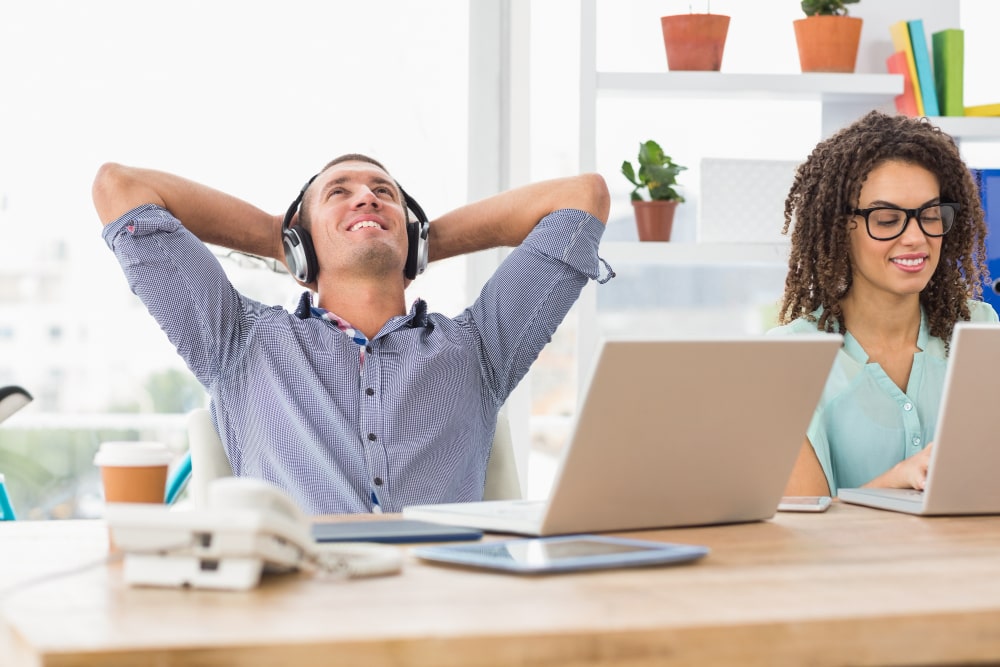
point(909, 494)
point(518, 509)
point(528, 509)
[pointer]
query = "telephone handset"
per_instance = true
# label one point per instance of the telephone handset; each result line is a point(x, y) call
point(249, 527)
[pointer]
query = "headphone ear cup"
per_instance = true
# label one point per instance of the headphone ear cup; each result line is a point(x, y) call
point(416, 251)
point(413, 241)
point(299, 254)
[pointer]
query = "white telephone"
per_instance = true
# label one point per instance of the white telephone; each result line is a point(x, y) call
point(248, 527)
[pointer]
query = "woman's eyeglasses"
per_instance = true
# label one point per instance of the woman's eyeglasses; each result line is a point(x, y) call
point(885, 223)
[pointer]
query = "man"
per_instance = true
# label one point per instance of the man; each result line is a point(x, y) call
point(355, 405)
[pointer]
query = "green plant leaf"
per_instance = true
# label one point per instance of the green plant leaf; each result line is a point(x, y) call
point(629, 172)
point(826, 7)
point(657, 173)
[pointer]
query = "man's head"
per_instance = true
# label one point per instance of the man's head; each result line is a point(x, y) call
point(310, 191)
point(355, 215)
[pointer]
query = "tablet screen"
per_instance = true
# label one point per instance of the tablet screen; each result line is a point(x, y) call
point(553, 554)
point(541, 552)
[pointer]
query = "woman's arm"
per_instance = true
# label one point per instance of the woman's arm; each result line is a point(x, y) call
point(910, 473)
point(213, 216)
point(807, 477)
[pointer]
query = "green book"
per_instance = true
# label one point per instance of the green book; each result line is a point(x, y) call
point(949, 67)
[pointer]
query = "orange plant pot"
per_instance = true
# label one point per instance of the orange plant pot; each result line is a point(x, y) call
point(654, 220)
point(828, 43)
point(694, 42)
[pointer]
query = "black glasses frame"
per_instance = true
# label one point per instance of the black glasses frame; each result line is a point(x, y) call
point(913, 213)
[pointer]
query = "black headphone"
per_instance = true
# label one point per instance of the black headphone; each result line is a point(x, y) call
point(301, 256)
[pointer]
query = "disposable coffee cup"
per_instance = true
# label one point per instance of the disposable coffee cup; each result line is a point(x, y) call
point(133, 472)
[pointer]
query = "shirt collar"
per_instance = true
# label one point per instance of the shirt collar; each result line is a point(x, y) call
point(417, 316)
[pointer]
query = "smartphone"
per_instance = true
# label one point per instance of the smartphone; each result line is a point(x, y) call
point(804, 504)
point(561, 554)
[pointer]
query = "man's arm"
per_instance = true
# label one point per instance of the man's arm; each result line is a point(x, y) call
point(507, 218)
point(211, 215)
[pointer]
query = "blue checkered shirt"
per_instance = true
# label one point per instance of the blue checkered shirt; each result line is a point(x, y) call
point(416, 425)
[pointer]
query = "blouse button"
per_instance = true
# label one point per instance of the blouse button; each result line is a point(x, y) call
point(907, 406)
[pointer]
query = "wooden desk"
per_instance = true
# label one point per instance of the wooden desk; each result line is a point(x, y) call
point(852, 586)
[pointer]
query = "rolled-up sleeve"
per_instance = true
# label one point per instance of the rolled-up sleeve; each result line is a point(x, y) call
point(527, 298)
point(184, 288)
point(570, 236)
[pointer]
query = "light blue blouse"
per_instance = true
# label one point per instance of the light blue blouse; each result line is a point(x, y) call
point(864, 424)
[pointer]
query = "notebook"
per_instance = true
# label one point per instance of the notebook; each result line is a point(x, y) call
point(965, 460)
point(672, 433)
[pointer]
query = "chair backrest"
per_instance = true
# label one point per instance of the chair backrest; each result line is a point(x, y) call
point(6, 509)
point(502, 482)
point(206, 460)
point(208, 456)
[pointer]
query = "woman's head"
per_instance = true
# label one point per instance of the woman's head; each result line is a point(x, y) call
point(828, 189)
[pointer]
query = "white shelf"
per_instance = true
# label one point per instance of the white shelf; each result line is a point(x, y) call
point(872, 89)
point(969, 128)
point(693, 254)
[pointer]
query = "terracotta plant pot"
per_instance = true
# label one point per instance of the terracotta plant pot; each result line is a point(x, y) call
point(654, 219)
point(828, 43)
point(694, 41)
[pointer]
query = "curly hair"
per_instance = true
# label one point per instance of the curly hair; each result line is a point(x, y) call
point(825, 191)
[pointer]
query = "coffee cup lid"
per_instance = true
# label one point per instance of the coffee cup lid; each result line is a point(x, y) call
point(133, 454)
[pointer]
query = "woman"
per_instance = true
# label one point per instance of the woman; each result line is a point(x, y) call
point(887, 249)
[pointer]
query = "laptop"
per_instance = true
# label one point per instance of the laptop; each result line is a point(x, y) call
point(965, 461)
point(672, 433)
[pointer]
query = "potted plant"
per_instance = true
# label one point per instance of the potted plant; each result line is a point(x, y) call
point(694, 41)
point(827, 38)
point(657, 174)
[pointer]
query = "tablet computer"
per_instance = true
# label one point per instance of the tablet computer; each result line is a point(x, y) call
point(569, 553)
point(393, 531)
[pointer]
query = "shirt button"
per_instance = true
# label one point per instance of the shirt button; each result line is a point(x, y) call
point(916, 441)
point(368, 349)
point(378, 481)
point(369, 391)
point(907, 406)
point(371, 436)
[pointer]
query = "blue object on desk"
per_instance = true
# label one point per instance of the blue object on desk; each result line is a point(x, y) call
point(392, 531)
point(178, 479)
point(567, 553)
point(6, 509)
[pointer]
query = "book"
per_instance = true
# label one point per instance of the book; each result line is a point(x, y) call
point(949, 70)
point(906, 102)
point(988, 181)
point(900, 33)
point(983, 110)
point(922, 61)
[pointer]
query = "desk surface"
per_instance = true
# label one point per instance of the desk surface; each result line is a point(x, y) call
point(853, 585)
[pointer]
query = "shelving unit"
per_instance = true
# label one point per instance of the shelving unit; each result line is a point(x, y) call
point(841, 98)
point(695, 254)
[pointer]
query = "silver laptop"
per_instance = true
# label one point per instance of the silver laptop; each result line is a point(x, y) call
point(673, 433)
point(962, 473)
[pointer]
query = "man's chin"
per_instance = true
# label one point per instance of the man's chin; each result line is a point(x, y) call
point(378, 262)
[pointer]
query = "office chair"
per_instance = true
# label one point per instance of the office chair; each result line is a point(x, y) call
point(12, 399)
point(206, 460)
